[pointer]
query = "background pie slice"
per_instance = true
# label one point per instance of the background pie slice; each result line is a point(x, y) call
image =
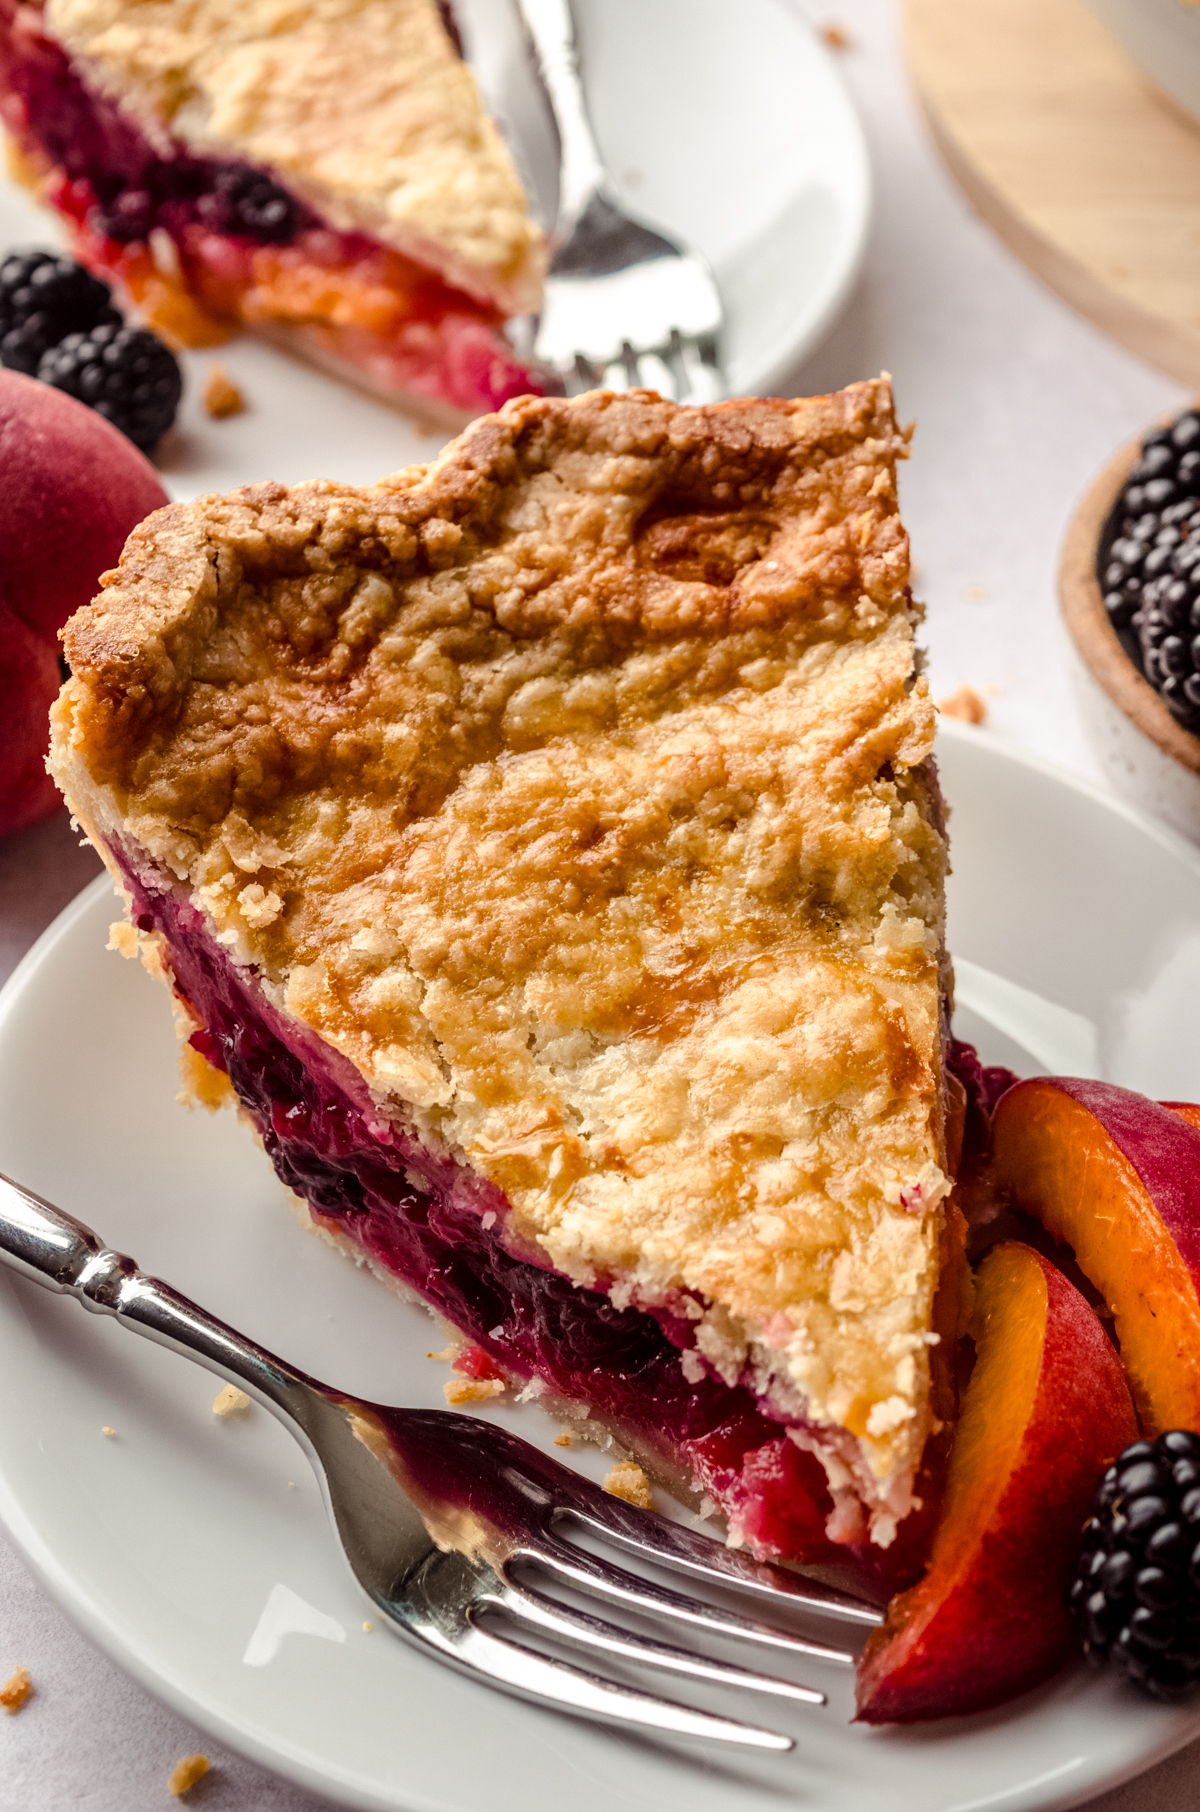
point(546, 847)
point(324, 174)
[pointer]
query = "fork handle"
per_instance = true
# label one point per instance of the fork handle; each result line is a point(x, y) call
point(582, 170)
point(61, 1253)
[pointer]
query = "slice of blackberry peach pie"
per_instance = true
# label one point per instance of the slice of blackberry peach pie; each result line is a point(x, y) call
point(546, 849)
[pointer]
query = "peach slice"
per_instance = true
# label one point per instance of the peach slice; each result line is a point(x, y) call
point(1116, 1177)
point(1045, 1411)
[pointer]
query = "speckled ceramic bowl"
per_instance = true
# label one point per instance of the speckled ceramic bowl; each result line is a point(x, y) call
point(1147, 756)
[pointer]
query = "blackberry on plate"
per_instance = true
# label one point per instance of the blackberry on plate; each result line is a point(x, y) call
point(1149, 566)
point(1135, 1598)
point(43, 297)
point(125, 374)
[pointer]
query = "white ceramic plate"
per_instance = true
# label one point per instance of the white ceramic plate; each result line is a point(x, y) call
point(729, 124)
point(196, 1552)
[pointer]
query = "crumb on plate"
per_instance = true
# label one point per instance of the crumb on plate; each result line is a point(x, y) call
point(230, 1402)
point(563, 1439)
point(110, 1432)
point(473, 1390)
point(186, 1773)
point(16, 1690)
point(221, 394)
point(836, 36)
point(627, 1480)
point(974, 594)
point(965, 704)
point(368, 1626)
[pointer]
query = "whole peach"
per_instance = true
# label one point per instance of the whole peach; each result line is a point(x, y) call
point(72, 489)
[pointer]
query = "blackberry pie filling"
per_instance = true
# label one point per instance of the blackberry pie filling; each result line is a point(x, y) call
point(546, 848)
point(203, 240)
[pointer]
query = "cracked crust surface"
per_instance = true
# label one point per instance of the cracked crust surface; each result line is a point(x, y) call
point(361, 107)
point(576, 788)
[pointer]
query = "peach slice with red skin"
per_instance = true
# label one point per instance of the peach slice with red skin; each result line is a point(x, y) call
point(1116, 1177)
point(1044, 1413)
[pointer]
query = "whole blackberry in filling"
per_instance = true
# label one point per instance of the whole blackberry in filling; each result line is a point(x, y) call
point(125, 374)
point(1149, 566)
point(248, 205)
point(1135, 1598)
point(43, 298)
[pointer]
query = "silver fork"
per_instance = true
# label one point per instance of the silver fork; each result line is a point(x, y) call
point(441, 1516)
point(624, 304)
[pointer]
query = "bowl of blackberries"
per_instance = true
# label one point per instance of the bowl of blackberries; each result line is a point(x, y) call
point(1130, 589)
point(58, 324)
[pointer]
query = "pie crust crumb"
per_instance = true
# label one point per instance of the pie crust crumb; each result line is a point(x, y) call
point(123, 938)
point(230, 1402)
point(473, 1390)
point(16, 1690)
point(563, 1439)
point(200, 1084)
point(221, 395)
point(186, 1773)
point(965, 704)
point(627, 1480)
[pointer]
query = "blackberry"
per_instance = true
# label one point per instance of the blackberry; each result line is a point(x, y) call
point(43, 298)
point(248, 204)
point(1135, 1598)
point(125, 374)
point(1149, 566)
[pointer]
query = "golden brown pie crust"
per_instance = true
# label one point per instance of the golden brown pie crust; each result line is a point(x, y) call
point(576, 789)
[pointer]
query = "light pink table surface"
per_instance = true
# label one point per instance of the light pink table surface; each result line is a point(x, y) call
point(1017, 402)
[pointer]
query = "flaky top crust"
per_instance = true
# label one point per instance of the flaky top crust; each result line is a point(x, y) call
point(575, 787)
point(362, 108)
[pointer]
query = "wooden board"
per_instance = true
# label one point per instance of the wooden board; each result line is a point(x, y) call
point(1083, 167)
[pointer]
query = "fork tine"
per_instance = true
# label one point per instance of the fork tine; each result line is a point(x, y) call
point(583, 375)
point(518, 1669)
point(702, 371)
point(580, 1629)
point(652, 1538)
point(574, 1566)
point(655, 374)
